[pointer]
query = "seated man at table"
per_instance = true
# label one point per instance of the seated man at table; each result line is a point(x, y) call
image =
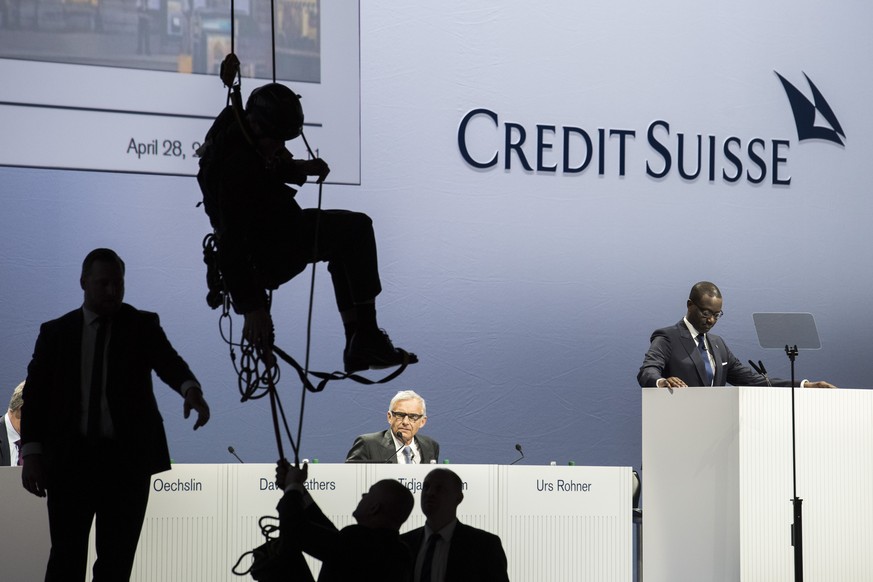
point(10, 425)
point(407, 414)
point(686, 354)
point(446, 550)
point(360, 552)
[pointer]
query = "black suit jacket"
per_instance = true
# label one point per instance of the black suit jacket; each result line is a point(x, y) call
point(52, 392)
point(475, 555)
point(5, 456)
point(378, 447)
point(354, 553)
point(673, 352)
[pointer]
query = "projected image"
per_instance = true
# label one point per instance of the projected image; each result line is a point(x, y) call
point(184, 36)
point(118, 86)
point(132, 85)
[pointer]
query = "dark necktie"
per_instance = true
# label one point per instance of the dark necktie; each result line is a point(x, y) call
point(407, 453)
point(705, 355)
point(18, 450)
point(97, 380)
point(427, 565)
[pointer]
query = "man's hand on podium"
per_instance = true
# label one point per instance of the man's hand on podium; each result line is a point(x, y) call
point(819, 384)
point(671, 382)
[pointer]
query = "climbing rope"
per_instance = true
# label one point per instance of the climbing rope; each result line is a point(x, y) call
point(256, 377)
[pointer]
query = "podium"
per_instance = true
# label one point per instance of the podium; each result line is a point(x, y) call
point(718, 484)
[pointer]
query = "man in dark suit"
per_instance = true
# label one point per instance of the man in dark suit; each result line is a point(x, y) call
point(359, 552)
point(407, 414)
point(10, 427)
point(686, 354)
point(91, 431)
point(445, 549)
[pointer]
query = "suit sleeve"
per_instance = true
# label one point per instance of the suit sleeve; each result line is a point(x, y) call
point(740, 375)
point(479, 553)
point(656, 360)
point(358, 453)
point(5, 454)
point(37, 400)
point(497, 565)
point(430, 449)
point(165, 361)
point(306, 528)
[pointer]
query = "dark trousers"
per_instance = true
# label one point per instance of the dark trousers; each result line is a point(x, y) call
point(97, 485)
point(346, 241)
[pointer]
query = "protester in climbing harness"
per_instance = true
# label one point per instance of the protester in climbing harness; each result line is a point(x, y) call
point(264, 238)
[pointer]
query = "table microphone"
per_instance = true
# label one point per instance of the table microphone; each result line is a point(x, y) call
point(761, 370)
point(394, 454)
point(232, 452)
point(518, 448)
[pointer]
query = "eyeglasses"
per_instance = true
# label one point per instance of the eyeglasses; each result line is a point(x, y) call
point(412, 417)
point(706, 313)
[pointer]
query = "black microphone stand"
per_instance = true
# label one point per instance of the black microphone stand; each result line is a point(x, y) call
point(402, 446)
point(797, 526)
point(518, 448)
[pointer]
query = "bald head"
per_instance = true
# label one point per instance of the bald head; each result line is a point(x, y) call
point(386, 505)
point(704, 289)
point(704, 306)
point(441, 494)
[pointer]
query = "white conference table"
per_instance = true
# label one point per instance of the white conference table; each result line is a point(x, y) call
point(556, 523)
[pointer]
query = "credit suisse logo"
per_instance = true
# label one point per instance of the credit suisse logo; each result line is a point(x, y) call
point(487, 142)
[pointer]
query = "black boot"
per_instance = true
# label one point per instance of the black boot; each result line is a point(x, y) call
point(371, 349)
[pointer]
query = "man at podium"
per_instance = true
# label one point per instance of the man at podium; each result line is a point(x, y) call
point(687, 354)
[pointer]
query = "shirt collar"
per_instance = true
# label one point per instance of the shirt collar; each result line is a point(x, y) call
point(446, 533)
point(399, 445)
point(11, 433)
point(692, 329)
point(89, 315)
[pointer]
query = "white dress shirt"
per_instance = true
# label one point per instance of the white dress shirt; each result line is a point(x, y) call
point(440, 562)
point(401, 458)
point(12, 436)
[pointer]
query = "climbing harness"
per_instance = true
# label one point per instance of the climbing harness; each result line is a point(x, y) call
point(256, 377)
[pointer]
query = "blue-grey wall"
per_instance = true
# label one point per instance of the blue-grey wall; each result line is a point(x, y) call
point(528, 295)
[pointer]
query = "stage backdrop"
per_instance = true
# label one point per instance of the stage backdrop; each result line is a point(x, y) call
point(546, 180)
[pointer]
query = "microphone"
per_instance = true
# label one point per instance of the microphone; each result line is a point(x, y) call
point(394, 454)
point(761, 370)
point(520, 452)
point(232, 452)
